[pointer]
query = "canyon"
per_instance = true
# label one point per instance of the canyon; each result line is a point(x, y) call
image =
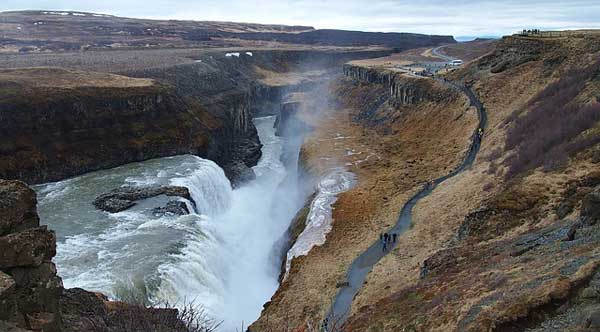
point(285, 163)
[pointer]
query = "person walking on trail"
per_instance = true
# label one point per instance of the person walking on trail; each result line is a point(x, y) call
point(324, 325)
point(386, 238)
point(394, 236)
point(480, 133)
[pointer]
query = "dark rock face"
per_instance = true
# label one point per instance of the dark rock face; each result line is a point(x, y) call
point(29, 285)
point(402, 90)
point(177, 208)
point(123, 198)
point(53, 134)
point(287, 123)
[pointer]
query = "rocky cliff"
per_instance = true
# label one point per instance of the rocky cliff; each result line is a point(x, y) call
point(58, 123)
point(402, 90)
point(29, 286)
point(32, 297)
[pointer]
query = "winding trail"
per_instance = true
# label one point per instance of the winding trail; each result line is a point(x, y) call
point(362, 265)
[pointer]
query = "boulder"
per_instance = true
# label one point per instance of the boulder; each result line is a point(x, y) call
point(177, 208)
point(31, 248)
point(18, 206)
point(123, 198)
point(590, 210)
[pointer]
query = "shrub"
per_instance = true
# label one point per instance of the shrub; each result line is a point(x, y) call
point(542, 135)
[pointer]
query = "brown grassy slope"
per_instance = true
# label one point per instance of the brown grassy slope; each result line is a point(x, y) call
point(481, 280)
point(393, 162)
point(471, 50)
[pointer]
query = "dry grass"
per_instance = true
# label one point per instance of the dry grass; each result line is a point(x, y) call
point(64, 78)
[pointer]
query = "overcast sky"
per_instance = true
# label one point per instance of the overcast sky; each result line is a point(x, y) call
point(458, 18)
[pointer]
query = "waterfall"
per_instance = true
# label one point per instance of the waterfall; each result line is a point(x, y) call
point(220, 256)
point(208, 185)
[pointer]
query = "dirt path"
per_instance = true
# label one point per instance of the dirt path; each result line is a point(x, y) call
point(362, 265)
point(437, 53)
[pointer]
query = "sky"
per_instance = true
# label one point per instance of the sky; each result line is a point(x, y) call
point(457, 18)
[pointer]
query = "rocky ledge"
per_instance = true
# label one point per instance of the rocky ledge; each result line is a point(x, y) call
point(123, 198)
point(29, 286)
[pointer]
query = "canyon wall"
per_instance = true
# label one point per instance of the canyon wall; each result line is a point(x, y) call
point(53, 132)
point(402, 90)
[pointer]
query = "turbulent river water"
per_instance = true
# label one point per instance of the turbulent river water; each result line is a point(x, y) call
point(223, 257)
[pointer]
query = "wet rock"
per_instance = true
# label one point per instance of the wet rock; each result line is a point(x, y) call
point(18, 206)
point(239, 173)
point(177, 208)
point(113, 205)
point(590, 210)
point(123, 198)
point(27, 248)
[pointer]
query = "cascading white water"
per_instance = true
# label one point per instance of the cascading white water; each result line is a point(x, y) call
point(221, 257)
point(319, 219)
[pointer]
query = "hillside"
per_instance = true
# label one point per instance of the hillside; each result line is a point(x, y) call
point(51, 31)
point(510, 244)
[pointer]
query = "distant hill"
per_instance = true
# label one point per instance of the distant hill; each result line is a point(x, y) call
point(348, 38)
point(48, 31)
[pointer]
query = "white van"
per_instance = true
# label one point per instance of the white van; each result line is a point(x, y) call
point(456, 63)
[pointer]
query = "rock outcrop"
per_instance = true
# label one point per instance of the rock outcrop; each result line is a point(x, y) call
point(123, 198)
point(29, 286)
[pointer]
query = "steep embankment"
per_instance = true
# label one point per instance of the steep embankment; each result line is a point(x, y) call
point(510, 244)
point(395, 133)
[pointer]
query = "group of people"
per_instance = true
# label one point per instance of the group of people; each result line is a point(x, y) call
point(531, 32)
point(386, 239)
